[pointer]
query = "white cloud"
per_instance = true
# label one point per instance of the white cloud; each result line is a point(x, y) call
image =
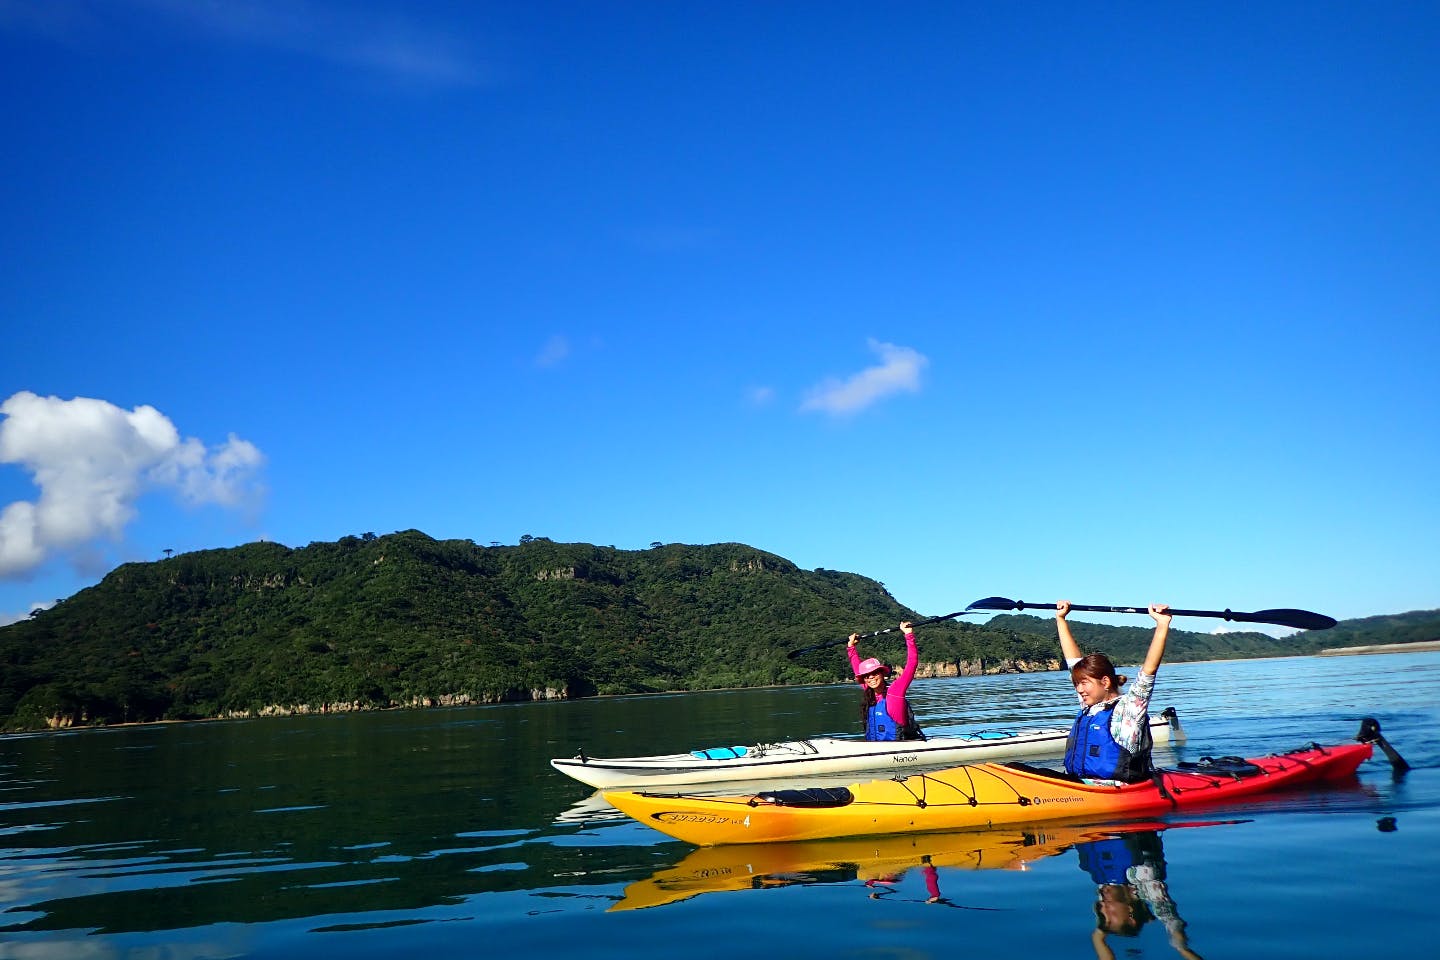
point(92, 460)
point(760, 396)
point(222, 475)
point(390, 44)
point(556, 349)
point(341, 34)
point(8, 618)
point(898, 370)
point(1278, 632)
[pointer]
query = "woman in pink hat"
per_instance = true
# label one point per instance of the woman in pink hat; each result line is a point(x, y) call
point(887, 712)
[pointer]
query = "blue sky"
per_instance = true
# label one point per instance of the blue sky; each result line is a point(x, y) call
point(1118, 302)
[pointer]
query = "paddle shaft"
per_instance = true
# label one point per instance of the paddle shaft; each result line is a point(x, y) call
point(1301, 619)
point(875, 633)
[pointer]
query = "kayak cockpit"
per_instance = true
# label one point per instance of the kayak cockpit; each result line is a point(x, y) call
point(1236, 767)
point(809, 797)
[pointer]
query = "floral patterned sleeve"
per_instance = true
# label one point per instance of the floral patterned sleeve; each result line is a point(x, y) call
point(1132, 712)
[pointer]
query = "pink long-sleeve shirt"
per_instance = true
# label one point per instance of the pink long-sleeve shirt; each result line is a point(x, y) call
point(896, 689)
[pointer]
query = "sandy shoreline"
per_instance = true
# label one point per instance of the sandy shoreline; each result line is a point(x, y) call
point(1417, 647)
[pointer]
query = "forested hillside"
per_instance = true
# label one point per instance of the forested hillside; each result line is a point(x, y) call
point(403, 619)
point(1419, 626)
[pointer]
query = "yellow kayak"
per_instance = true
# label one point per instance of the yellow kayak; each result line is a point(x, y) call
point(977, 796)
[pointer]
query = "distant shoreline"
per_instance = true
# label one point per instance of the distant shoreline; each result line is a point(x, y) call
point(1416, 647)
point(1420, 646)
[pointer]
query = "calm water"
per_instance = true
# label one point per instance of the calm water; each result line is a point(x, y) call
point(446, 830)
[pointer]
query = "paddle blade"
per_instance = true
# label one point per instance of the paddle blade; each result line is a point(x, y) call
point(994, 603)
point(1299, 619)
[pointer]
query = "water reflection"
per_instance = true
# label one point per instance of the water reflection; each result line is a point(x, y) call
point(1131, 889)
point(142, 840)
point(185, 826)
point(879, 864)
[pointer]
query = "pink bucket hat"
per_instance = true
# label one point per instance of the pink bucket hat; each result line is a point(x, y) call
point(870, 666)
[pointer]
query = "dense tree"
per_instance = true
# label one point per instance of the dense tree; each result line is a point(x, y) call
point(403, 619)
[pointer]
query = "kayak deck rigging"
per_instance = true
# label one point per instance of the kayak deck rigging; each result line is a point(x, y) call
point(984, 795)
point(960, 786)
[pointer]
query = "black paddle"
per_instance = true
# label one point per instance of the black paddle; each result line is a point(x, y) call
point(875, 633)
point(1370, 733)
point(1300, 619)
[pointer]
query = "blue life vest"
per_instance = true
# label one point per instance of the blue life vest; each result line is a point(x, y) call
point(1091, 750)
point(1109, 861)
point(879, 725)
point(1106, 860)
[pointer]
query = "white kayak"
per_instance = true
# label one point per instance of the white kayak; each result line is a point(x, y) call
point(823, 756)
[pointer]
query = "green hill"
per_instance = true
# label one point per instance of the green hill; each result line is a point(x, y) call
point(400, 620)
point(1418, 626)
